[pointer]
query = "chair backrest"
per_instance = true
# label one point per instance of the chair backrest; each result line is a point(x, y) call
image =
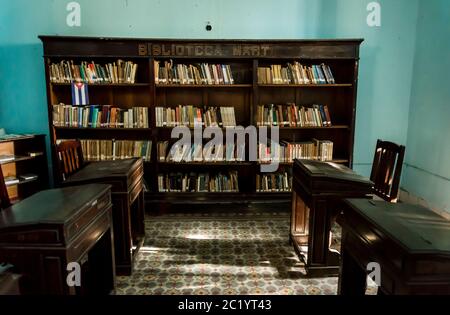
point(70, 157)
point(387, 169)
point(4, 198)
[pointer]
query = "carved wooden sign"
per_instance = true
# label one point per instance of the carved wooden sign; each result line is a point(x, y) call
point(202, 48)
point(205, 50)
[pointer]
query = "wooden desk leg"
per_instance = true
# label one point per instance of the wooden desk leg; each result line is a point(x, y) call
point(352, 279)
point(140, 218)
point(102, 266)
point(321, 261)
point(122, 234)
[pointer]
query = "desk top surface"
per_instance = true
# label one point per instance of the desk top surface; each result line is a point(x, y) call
point(330, 170)
point(416, 228)
point(104, 169)
point(54, 206)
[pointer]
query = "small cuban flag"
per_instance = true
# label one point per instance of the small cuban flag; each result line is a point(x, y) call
point(80, 94)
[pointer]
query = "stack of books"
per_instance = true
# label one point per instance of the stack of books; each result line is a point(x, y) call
point(203, 182)
point(291, 115)
point(195, 116)
point(275, 182)
point(103, 150)
point(321, 150)
point(120, 72)
point(295, 73)
point(198, 74)
point(99, 116)
point(287, 152)
point(197, 153)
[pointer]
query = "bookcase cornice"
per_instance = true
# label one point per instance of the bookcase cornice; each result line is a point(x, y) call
point(201, 48)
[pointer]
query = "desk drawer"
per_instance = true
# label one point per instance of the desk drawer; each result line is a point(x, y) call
point(86, 240)
point(83, 220)
point(32, 237)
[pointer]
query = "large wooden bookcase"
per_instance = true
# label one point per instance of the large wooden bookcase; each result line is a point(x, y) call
point(245, 95)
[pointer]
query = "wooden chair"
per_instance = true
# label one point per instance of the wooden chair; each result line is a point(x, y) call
point(4, 198)
point(70, 157)
point(387, 169)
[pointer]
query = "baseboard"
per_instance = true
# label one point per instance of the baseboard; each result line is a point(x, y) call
point(407, 197)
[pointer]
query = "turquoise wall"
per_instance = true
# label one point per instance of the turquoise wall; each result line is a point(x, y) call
point(427, 170)
point(386, 55)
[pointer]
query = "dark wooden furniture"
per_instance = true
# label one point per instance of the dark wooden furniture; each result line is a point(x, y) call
point(319, 188)
point(244, 56)
point(387, 169)
point(23, 160)
point(126, 179)
point(410, 243)
point(70, 157)
point(42, 234)
point(4, 197)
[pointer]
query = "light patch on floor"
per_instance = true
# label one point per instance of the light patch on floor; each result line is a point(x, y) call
point(221, 254)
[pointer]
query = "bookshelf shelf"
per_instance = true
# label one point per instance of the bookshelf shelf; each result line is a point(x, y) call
point(102, 129)
point(203, 86)
point(22, 182)
point(337, 161)
point(317, 128)
point(271, 193)
point(209, 163)
point(193, 128)
point(18, 159)
point(242, 60)
point(306, 86)
point(105, 85)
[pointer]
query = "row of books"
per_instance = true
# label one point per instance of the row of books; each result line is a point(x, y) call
point(287, 152)
point(194, 116)
point(199, 153)
point(275, 182)
point(99, 116)
point(295, 73)
point(103, 150)
point(198, 182)
point(119, 72)
point(291, 115)
point(192, 74)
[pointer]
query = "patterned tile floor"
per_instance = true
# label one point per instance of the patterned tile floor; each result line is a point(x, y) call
point(221, 253)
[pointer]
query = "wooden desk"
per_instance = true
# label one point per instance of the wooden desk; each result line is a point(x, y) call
point(42, 234)
point(318, 188)
point(410, 243)
point(127, 193)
